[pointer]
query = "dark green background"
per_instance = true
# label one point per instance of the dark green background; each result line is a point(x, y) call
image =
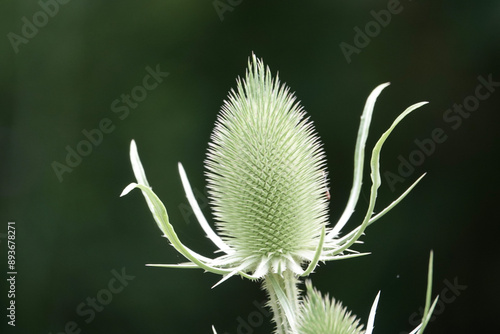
point(71, 234)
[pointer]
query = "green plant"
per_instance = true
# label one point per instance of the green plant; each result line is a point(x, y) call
point(268, 188)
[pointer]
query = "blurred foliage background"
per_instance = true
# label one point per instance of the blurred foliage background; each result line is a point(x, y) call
point(72, 233)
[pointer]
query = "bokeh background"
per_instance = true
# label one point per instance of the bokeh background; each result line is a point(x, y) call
point(72, 232)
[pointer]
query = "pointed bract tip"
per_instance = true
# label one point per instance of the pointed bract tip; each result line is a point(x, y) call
point(181, 168)
point(383, 85)
point(371, 318)
point(128, 189)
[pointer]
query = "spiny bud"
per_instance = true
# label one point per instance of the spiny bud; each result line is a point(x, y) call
point(322, 315)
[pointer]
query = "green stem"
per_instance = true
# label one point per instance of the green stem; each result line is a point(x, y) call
point(283, 300)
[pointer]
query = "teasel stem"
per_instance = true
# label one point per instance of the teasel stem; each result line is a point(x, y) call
point(283, 300)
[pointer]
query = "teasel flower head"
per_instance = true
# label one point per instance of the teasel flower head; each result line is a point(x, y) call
point(266, 176)
point(266, 173)
point(321, 315)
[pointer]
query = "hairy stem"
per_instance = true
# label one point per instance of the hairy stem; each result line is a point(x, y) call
point(283, 300)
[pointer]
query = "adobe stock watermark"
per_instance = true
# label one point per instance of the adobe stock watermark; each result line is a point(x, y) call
point(453, 118)
point(447, 296)
point(121, 107)
point(373, 28)
point(31, 26)
point(88, 309)
point(254, 319)
point(223, 6)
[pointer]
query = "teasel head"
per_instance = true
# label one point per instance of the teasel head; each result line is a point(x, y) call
point(320, 314)
point(266, 173)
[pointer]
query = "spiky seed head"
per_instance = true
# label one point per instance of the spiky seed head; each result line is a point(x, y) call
point(322, 315)
point(266, 170)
